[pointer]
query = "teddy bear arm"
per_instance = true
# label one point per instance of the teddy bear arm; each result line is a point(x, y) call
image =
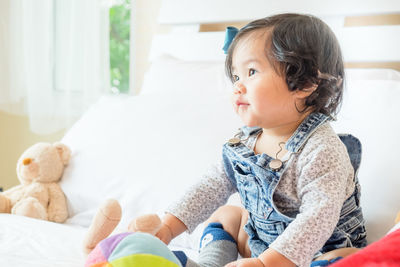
point(57, 208)
point(14, 194)
point(14, 191)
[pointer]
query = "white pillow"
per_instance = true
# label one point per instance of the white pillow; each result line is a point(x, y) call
point(371, 112)
point(171, 75)
point(143, 150)
point(372, 74)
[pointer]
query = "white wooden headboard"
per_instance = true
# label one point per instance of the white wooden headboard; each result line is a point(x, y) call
point(372, 43)
point(211, 11)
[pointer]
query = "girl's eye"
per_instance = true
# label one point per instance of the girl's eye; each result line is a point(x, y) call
point(252, 72)
point(235, 78)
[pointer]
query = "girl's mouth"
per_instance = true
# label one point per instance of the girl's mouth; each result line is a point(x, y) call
point(240, 103)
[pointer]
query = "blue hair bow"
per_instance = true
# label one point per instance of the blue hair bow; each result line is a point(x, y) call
point(230, 34)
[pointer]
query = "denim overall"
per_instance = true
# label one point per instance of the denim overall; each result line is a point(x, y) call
point(256, 183)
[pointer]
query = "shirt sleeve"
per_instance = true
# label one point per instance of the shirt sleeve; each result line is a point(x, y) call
point(324, 176)
point(203, 198)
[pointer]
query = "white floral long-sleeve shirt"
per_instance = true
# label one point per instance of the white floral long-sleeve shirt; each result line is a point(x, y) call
point(312, 189)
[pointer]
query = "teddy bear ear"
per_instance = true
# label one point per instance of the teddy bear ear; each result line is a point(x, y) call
point(63, 151)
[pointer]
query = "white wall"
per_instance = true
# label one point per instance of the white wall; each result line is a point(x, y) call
point(15, 135)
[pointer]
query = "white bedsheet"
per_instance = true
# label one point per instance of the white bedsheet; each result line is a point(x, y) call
point(26, 242)
point(36, 243)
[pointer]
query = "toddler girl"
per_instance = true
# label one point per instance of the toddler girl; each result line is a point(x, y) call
point(295, 177)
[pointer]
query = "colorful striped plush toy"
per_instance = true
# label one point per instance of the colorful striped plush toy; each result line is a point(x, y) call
point(136, 248)
point(133, 250)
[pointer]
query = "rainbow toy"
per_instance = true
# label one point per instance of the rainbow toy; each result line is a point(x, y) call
point(133, 250)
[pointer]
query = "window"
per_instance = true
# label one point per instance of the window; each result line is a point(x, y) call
point(119, 45)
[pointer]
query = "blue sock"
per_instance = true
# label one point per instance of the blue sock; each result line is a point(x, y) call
point(321, 263)
point(217, 248)
point(214, 232)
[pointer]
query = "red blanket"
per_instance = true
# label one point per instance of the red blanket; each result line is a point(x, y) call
point(383, 253)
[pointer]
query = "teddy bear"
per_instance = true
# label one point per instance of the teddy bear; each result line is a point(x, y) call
point(39, 169)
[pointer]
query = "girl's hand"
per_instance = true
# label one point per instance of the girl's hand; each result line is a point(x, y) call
point(164, 234)
point(151, 224)
point(171, 227)
point(248, 262)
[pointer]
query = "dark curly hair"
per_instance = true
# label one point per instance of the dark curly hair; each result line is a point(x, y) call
point(304, 50)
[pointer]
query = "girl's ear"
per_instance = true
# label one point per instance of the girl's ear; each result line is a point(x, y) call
point(305, 92)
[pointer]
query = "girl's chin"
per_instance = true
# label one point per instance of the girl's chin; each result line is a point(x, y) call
point(249, 123)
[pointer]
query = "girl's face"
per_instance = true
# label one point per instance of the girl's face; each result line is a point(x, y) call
point(261, 96)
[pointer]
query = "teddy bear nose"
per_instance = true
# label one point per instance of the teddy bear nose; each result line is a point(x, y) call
point(27, 161)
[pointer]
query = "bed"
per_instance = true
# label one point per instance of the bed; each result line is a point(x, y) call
point(139, 149)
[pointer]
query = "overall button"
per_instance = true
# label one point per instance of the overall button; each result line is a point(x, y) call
point(234, 141)
point(275, 164)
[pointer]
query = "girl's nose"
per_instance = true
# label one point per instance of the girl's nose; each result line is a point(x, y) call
point(239, 88)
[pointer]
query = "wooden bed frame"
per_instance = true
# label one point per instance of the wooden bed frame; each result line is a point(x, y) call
point(368, 31)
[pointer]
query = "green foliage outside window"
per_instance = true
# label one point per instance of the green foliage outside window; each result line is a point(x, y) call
point(119, 46)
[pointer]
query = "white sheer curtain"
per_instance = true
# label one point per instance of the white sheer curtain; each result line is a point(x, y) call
point(54, 59)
